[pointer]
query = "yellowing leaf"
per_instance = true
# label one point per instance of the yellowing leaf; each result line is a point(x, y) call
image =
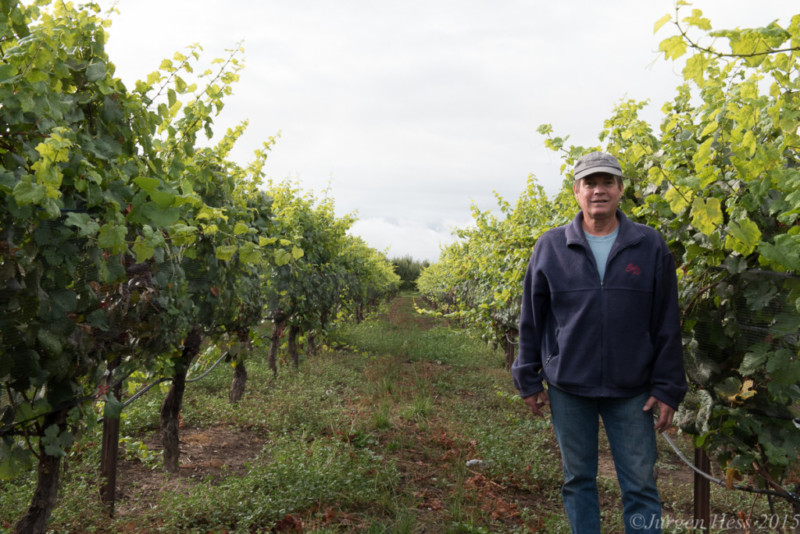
point(749, 143)
point(747, 390)
point(698, 20)
point(241, 228)
point(673, 47)
point(749, 89)
point(706, 215)
point(677, 200)
point(183, 234)
point(702, 156)
point(743, 236)
point(695, 69)
point(730, 477)
point(207, 212)
point(282, 257)
point(660, 22)
point(711, 127)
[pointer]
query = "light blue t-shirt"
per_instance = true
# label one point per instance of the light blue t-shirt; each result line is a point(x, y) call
point(601, 246)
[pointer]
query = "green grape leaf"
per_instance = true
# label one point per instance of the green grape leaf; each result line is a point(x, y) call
point(113, 407)
point(225, 252)
point(14, 459)
point(248, 253)
point(142, 250)
point(159, 216)
point(784, 254)
point(112, 237)
point(56, 443)
point(147, 183)
point(27, 192)
point(96, 71)
point(752, 362)
point(84, 223)
point(7, 72)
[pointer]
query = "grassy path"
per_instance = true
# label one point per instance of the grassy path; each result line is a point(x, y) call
point(402, 425)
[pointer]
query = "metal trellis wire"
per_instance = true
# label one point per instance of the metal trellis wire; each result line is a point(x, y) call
point(784, 494)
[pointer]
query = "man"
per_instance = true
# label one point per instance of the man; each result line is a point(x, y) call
point(600, 325)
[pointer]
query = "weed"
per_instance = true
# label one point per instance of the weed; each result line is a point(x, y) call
point(133, 449)
point(419, 409)
point(15, 496)
point(292, 476)
point(382, 417)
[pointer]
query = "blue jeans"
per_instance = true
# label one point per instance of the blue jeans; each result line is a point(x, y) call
point(633, 446)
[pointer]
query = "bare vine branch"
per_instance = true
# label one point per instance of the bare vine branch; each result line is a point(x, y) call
point(734, 55)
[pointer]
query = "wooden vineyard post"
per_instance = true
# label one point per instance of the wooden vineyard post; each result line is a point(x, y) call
point(702, 492)
point(110, 452)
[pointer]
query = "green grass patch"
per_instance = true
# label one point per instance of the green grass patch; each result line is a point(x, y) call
point(440, 344)
point(292, 476)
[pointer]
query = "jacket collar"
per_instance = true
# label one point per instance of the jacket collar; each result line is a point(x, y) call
point(628, 232)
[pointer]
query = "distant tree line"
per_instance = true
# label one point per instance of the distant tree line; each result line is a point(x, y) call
point(409, 269)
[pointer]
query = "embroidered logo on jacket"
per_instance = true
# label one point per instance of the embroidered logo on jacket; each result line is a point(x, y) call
point(633, 269)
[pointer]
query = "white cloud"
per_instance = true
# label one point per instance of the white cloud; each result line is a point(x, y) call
point(402, 238)
point(411, 110)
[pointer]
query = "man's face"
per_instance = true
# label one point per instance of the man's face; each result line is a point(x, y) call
point(598, 195)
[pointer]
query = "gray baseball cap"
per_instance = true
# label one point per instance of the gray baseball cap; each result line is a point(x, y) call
point(596, 162)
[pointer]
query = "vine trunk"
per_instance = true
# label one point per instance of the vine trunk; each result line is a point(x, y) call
point(171, 407)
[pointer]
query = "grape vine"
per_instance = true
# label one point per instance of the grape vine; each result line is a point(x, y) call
point(126, 244)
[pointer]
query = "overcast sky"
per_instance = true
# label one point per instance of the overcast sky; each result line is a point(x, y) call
point(407, 112)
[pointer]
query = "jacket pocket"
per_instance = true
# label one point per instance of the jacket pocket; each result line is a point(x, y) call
point(551, 358)
point(632, 363)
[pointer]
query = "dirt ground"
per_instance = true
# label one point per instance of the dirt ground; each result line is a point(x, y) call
point(207, 452)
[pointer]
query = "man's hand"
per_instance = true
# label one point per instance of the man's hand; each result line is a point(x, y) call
point(665, 413)
point(537, 401)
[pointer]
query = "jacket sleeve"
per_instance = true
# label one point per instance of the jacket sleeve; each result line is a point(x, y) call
point(668, 379)
point(527, 367)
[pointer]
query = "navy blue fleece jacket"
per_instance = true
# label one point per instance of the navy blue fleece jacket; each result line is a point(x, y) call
point(618, 338)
